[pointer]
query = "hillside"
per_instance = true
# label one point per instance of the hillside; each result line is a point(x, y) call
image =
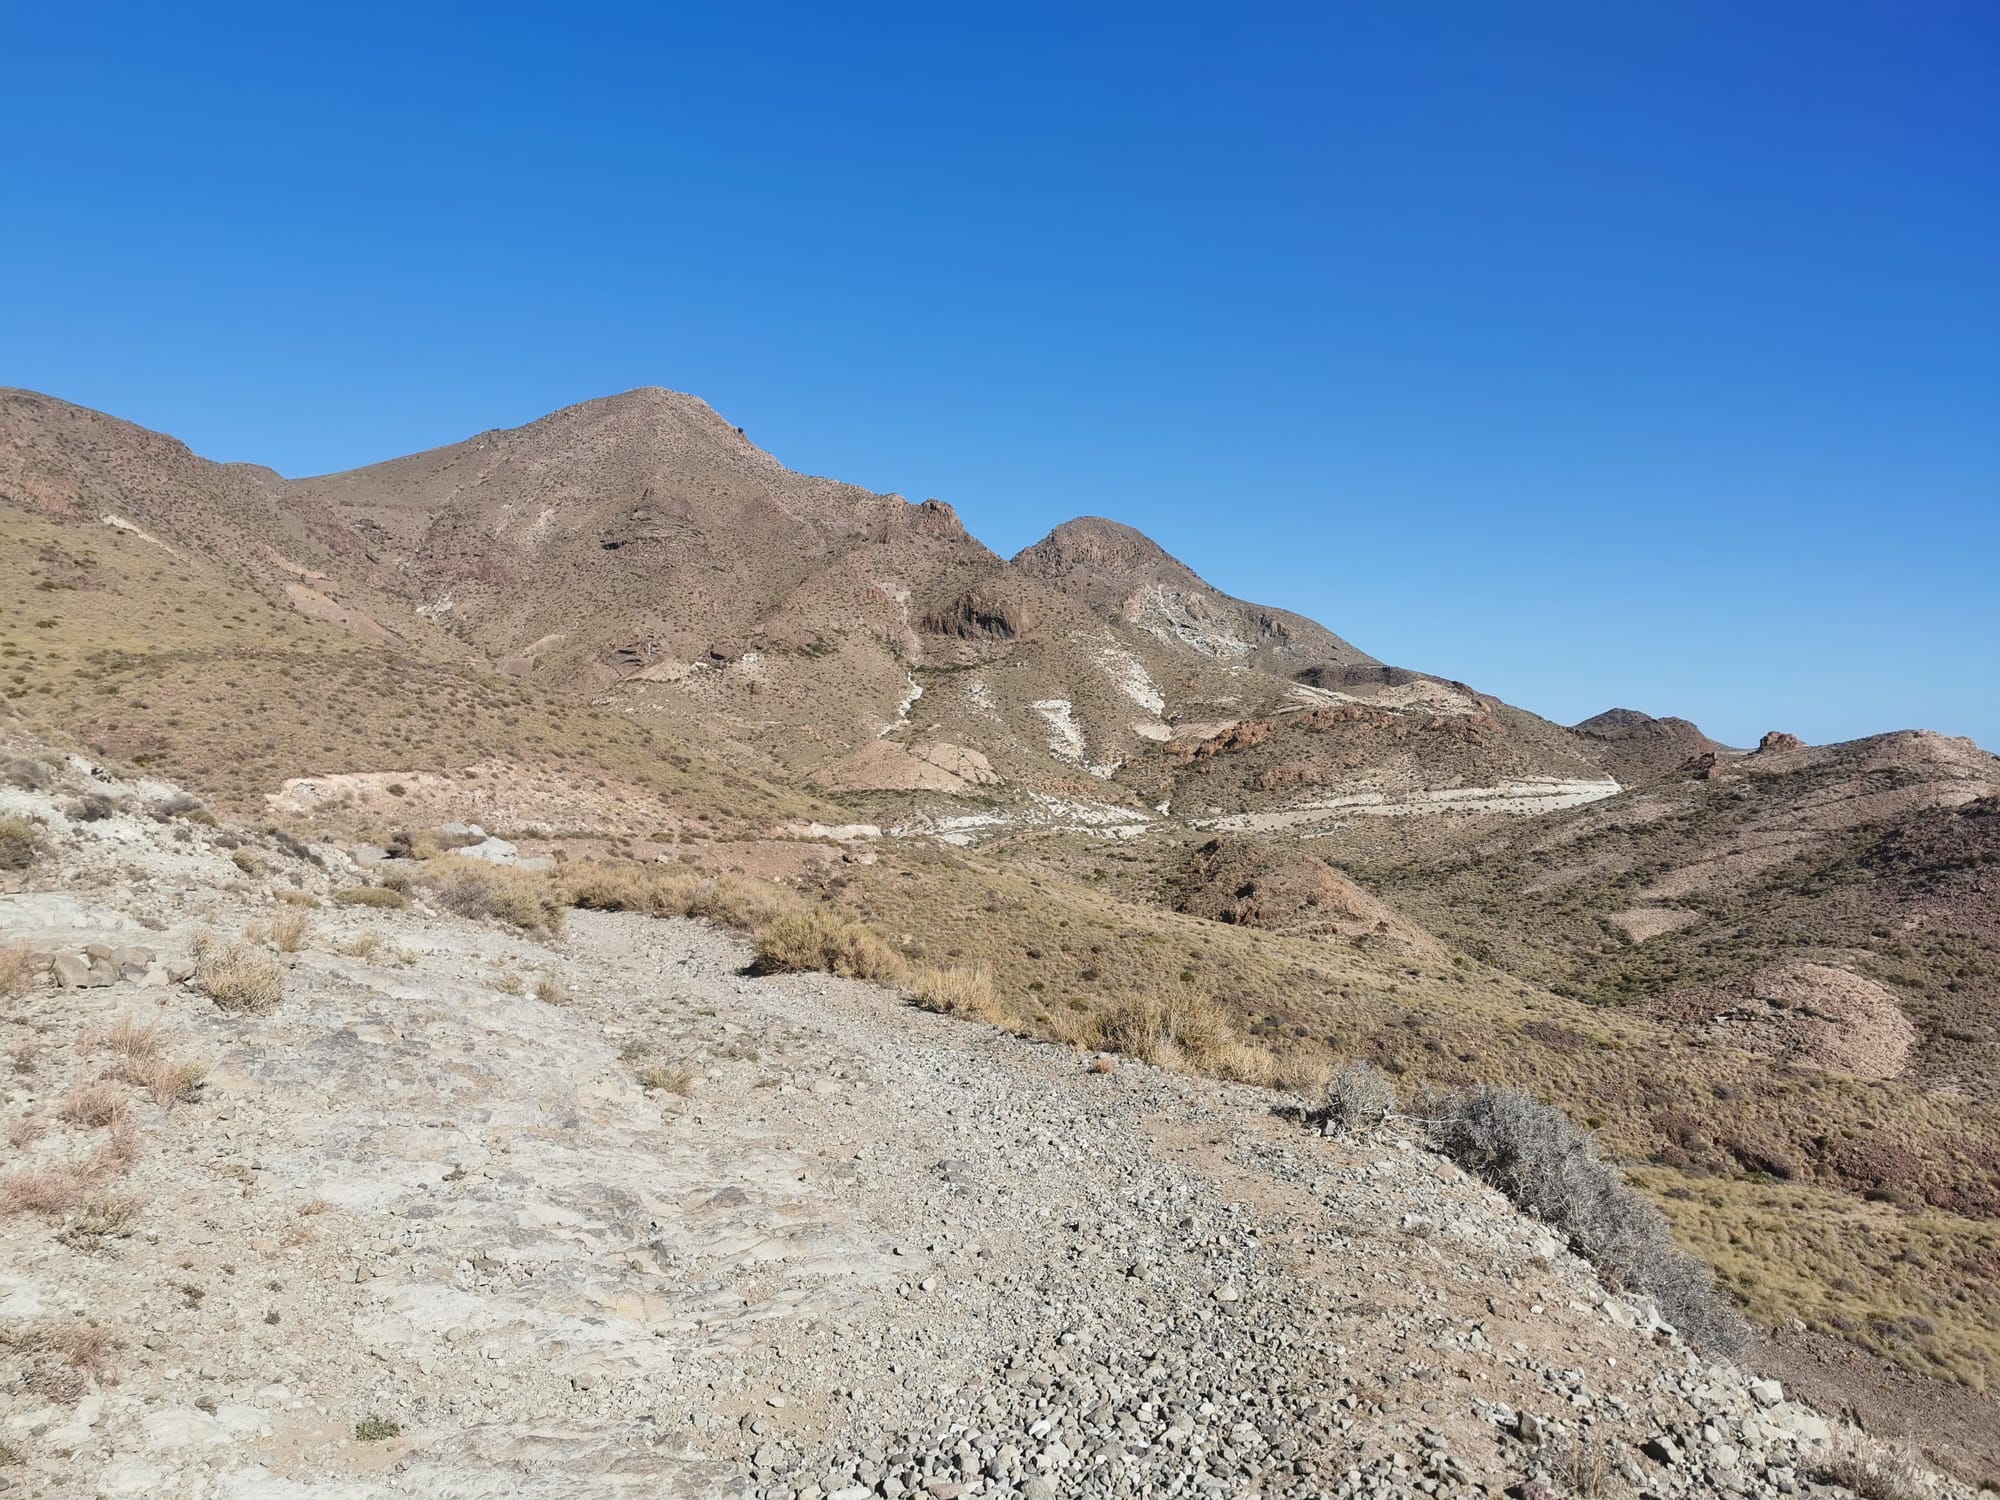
point(1766, 978)
point(447, 1209)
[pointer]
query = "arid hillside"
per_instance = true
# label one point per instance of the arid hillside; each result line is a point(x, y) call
point(1063, 788)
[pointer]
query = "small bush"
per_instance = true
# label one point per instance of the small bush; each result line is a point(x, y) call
point(819, 939)
point(17, 968)
point(20, 842)
point(170, 1080)
point(1358, 1097)
point(673, 891)
point(361, 945)
point(678, 1079)
point(964, 992)
point(474, 888)
point(290, 931)
point(549, 990)
point(236, 975)
point(1178, 1027)
point(305, 900)
point(92, 807)
point(371, 895)
point(52, 1189)
point(1543, 1163)
point(92, 1104)
point(1871, 1470)
point(375, 1429)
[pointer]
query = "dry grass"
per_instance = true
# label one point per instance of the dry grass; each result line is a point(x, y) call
point(132, 1039)
point(105, 1215)
point(92, 1105)
point(290, 931)
point(675, 891)
point(549, 990)
point(237, 976)
point(817, 938)
point(964, 992)
point(1175, 1027)
point(675, 1079)
point(17, 969)
point(21, 1053)
point(1358, 1097)
point(51, 1188)
point(371, 895)
point(361, 945)
point(1872, 1470)
point(477, 889)
point(169, 1080)
point(20, 842)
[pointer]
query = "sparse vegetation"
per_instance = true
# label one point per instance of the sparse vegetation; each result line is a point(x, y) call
point(371, 895)
point(20, 842)
point(965, 992)
point(237, 976)
point(376, 1429)
point(677, 1078)
point(1358, 1097)
point(819, 938)
point(483, 891)
point(17, 967)
point(1552, 1168)
point(676, 891)
point(549, 990)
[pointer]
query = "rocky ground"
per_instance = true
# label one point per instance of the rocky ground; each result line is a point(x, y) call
point(468, 1214)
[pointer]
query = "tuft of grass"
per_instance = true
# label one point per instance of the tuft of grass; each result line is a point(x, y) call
point(93, 1105)
point(304, 899)
point(104, 1216)
point(17, 968)
point(477, 889)
point(133, 1039)
point(237, 976)
point(290, 931)
point(361, 945)
point(676, 1079)
point(549, 990)
point(376, 1429)
point(20, 842)
point(674, 891)
point(371, 895)
point(1176, 1026)
point(964, 992)
point(817, 938)
point(170, 1080)
point(1547, 1165)
point(52, 1189)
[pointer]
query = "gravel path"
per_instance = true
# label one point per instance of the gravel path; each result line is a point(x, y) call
point(688, 1232)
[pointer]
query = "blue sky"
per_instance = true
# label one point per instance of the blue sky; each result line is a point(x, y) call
point(1595, 354)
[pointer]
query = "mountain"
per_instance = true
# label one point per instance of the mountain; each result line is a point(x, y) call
point(1767, 978)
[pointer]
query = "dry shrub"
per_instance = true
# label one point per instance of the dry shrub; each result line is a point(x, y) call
point(118, 1151)
point(52, 1188)
point(549, 990)
point(671, 891)
point(1872, 1470)
point(305, 899)
point(20, 842)
point(236, 975)
point(477, 889)
point(290, 931)
point(104, 1215)
point(17, 968)
point(964, 992)
point(1178, 1027)
point(24, 1130)
point(371, 895)
point(677, 1079)
point(361, 945)
point(21, 1053)
point(170, 1080)
point(1358, 1097)
point(1545, 1164)
point(93, 1105)
point(79, 1343)
point(817, 938)
point(133, 1039)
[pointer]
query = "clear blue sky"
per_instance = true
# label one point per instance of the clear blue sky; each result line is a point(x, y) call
point(1595, 354)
